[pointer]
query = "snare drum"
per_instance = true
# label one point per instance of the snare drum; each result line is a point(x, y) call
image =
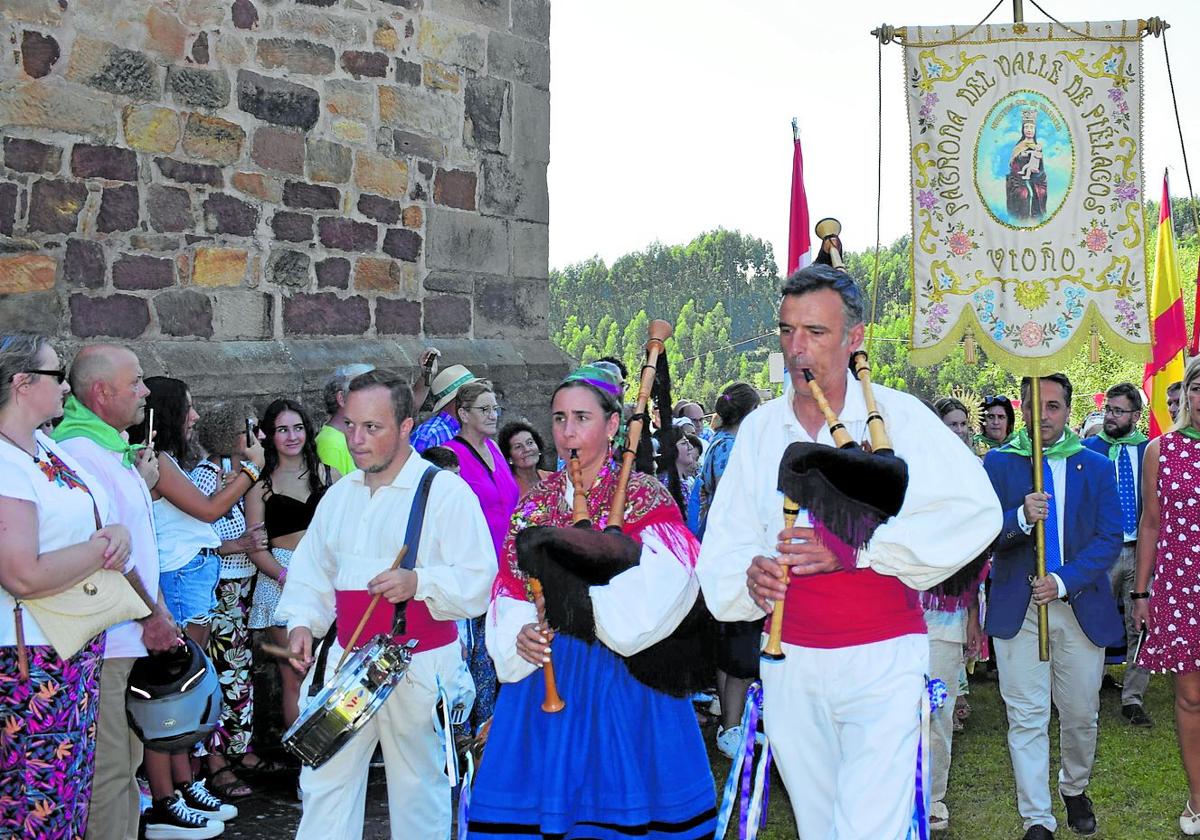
point(345, 705)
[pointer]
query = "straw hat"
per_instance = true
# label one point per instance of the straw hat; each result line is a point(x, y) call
point(446, 384)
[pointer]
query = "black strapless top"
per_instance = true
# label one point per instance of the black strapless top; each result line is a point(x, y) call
point(287, 515)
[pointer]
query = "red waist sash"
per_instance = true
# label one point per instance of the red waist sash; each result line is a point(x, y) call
point(847, 608)
point(429, 632)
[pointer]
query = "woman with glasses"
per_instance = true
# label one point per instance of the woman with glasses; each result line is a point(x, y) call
point(51, 538)
point(483, 467)
point(998, 422)
point(522, 447)
point(1168, 548)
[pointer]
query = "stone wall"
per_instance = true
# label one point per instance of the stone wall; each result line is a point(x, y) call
point(250, 192)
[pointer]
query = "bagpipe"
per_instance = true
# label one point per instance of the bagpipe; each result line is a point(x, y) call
point(848, 491)
point(563, 563)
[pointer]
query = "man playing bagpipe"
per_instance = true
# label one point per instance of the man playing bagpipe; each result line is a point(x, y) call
point(843, 696)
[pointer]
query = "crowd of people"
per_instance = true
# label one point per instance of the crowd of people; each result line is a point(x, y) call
point(247, 526)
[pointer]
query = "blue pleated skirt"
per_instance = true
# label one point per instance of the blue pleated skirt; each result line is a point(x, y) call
point(621, 760)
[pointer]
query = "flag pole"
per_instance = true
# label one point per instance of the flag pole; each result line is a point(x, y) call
point(1039, 527)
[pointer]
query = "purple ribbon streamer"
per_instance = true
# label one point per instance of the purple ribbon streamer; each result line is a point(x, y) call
point(748, 734)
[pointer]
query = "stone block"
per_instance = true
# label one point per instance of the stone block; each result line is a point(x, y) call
point(245, 15)
point(118, 209)
point(413, 217)
point(317, 2)
point(488, 113)
point(333, 273)
point(402, 244)
point(54, 206)
point(54, 105)
point(303, 57)
point(276, 101)
point(353, 100)
point(149, 128)
point(39, 53)
point(381, 175)
point(278, 149)
point(406, 143)
point(36, 312)
point(452, 42)
point(170, 209)
point(347, 235)
point(219, 266)
point(466, 242)
point(190, 173)
point(115, 316)
point(349, 131)
point(491, 13)
point(203, 14)
point(292, 227)
point(359, 64)
point(134, 272)
point(200, 53)
point(84, 265)
point(113, 69)
point(226, 214)
point(324, 313)
point(518, 60)
point(110, 162)
point(259, 186)
point(380, 209)
point(165, 34)
point(41, 12)
point(31, 156)
point(455, 188)
point(460, 283)
point(447, 315)
point(530, 249)
point(348, 30)
point(213, 138)
point(508, 308)
point(26, 273)
point(422, 111)
point(376, 274)
point(328, 162)
point(232, 49)
point(408, 72)
point(385, 37)
point(513, 189)
point(289, 268)
point(241, 314)
point(531, 19)
point(199, 88)
point(441, 77)
point(139, 241)
point(531, 124)
point(397, 317)
point(311, 196)
point(184, 313)
point(8, 208)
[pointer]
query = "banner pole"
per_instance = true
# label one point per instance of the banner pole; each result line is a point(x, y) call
point(1018, 11)
point(1039, 527)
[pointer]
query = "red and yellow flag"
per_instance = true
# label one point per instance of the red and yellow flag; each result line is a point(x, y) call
point(1167, 324)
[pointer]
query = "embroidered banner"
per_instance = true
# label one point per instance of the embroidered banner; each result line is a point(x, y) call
point(1028, 228)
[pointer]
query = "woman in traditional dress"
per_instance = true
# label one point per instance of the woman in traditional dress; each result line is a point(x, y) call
point(1167, 547)
point(625, 756)
point(1026, 183)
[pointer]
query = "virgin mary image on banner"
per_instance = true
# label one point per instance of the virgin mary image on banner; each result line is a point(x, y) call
point(1025, 165)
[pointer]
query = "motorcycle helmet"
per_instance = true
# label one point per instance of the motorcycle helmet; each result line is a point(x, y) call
point(173, 699)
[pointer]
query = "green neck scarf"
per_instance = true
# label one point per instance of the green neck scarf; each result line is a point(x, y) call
point(1190, 431)
point(1114, 444)
point(1067, 445)
point(80, 421)
point(987, 443)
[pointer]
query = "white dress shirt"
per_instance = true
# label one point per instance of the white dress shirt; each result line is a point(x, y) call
point(1058, 489)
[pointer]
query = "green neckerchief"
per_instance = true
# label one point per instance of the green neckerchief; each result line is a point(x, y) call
point(1114, 444)
point(1190, 431)
point(987, 443)
point(80, 421)
point(1067, 445)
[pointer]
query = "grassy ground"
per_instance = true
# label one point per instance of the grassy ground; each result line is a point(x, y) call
point(1138, 785)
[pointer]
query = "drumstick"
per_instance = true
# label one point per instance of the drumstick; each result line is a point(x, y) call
point(370, 609)
point(277, 651)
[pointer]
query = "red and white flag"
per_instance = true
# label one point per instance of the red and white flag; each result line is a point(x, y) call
point(799, 241)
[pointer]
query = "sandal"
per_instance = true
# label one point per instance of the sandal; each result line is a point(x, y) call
point(962, 709)
point(1189, 820)
point(262, 766)
point(232, 788)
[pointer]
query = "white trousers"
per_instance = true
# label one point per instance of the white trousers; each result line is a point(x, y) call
point(945, 661)
point(845, 724)
point(334, 795)
point(1072, 678)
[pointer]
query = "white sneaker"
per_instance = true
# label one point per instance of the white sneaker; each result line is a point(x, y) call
point(728, 740)
point(1189, 820)
point(197, 797)
point(171, 819)
point(939, 817)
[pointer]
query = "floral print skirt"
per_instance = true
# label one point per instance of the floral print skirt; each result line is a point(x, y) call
point(48, 740)
point(229, 649)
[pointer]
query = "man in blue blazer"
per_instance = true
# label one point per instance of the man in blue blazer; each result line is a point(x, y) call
point(1083, 539)
point(1124, 446)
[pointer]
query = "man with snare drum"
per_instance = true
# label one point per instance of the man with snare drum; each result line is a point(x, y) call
point(341, 563)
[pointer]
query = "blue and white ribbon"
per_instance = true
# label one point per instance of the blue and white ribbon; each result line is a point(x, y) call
point(933, 698)
point(464, 796)
point(755, 783)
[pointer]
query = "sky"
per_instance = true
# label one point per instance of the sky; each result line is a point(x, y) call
point(673, 117)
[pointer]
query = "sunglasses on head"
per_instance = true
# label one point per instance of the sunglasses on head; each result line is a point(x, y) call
point(60, 374)
point(996, 399)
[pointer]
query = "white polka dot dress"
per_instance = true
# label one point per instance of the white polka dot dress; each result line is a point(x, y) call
point(1173, 639)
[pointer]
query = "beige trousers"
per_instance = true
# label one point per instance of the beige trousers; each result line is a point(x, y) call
point(115, 802)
